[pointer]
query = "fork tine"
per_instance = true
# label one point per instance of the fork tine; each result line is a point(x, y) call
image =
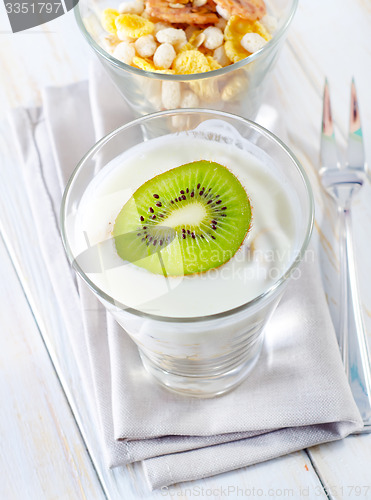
point(329, 156)
point(355, 152)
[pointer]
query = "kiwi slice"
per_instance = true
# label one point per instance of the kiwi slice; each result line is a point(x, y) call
point(187, 220)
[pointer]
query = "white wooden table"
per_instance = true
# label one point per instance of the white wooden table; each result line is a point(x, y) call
point(48, 446)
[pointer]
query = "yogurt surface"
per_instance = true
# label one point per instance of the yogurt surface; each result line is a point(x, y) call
point(267, 252)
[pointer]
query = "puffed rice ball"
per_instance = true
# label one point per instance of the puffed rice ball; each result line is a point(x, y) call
point(125, 52)
point(252, 42)
point(223, 12)
point(164, 56)
point(161, 26)
point(121, 35)
point(269, 23)
point(143, 64)
point(145, 46)
point(172, 35)
point(152, 90)
point(213, 37)
point(109, 43)
point(221, 57)
point(234, 87)
point(189, 100)
point(133, 7)
point(179, 122)
point(170, 94)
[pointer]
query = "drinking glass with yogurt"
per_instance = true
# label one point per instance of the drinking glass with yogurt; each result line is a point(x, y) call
point(199, 334)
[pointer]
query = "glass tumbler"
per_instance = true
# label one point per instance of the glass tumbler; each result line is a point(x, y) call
point(196, 355)
point(238, 88)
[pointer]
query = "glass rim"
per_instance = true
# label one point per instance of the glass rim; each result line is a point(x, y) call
point(197, 76)
point(247, 305)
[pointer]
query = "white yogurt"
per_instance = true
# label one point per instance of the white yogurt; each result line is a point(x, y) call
point(266, 254)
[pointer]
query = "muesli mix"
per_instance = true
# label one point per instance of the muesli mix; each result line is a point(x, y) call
point(185, 37)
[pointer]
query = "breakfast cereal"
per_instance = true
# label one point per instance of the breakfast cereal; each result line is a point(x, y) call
point(108, 20)
point(187, 37)
point(134, 26)
point(145, 46)
point(190, 62)
point(247, 9)
point(164, 56)
point(183, 13)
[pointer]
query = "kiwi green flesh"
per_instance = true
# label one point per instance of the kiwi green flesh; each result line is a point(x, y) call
point(187, 220)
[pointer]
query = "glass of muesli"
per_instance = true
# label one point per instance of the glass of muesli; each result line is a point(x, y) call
point(188, 54)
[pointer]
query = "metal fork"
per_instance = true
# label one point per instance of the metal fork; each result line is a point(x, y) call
point(342, 182)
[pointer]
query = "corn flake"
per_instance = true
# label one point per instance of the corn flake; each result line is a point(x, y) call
point(143, 64)
point(190, 62)
point(213, 64)
point(207, 90)
point(108, 20)
point(237, 27)
point(235, 30)
point(193, 42)
point(134, 26)
point(186, 46)
point(234, 87)
point(235, 51)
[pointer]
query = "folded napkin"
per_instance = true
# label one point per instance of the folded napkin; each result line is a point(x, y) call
point(297, 396)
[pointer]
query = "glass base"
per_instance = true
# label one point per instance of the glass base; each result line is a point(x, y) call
point(204, 387)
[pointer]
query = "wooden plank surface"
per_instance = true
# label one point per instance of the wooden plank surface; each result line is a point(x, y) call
point(42, 454)
point(326, 39)
point(343, 467)
point(51, 54)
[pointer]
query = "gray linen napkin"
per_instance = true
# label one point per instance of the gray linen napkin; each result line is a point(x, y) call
point(296, 397)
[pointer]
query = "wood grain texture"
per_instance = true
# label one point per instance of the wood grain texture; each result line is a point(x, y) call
point(344, 467)
point(316, 49)
point(42, 453)
point(51, 54)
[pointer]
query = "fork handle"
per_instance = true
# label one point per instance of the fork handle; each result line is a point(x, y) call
point(352, 338)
